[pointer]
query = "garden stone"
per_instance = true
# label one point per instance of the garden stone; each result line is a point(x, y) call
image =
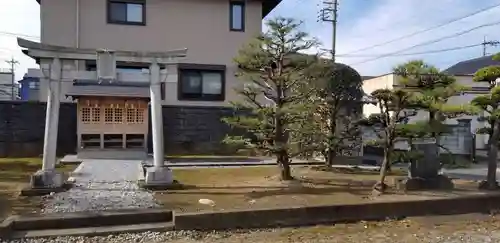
point(423, 173)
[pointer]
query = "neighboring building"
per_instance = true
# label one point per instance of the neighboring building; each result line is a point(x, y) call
point(196, 92)
point(469, 67)
point(212, 30)
point(460, 141)
point(6, 88)
point(29, 88)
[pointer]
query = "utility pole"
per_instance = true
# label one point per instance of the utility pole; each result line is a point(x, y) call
point(328, 13)
point(488, 43)
point(13, 64)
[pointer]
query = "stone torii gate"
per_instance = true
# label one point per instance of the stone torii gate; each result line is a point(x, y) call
point(47, 177)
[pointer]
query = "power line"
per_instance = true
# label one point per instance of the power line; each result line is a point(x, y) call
point(430, 42)
point(329, 13)
point(18, 34)
point(427, 29)
point(488, 43)
point(13, 64)
point(414, 53)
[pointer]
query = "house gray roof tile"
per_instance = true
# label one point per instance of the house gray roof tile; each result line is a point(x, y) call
point(469, 67)
point(108, 89)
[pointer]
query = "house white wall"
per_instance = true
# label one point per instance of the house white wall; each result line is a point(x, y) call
point(202, 26)
point(6, 86)
point(370, 85)
point(475, 89)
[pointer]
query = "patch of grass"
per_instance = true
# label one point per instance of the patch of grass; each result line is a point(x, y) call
point(359, 171)
point(260, 187)
point(455, 161)
point(14, 175)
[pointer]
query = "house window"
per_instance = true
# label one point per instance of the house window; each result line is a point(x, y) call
point(237, 16)
point(126, 12)
point(118, 116)
point(96, 114)
point(86, 114)
point(131, 117)
point(140, 116)
point(206, 85)
point(108, 115)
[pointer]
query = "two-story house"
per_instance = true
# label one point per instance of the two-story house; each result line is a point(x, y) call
point(196, 92)
point(461, 140)
point(212, 30)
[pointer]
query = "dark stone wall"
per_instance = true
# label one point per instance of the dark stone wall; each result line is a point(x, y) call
point(22, 126)
point(187, 130)
point(195, 130)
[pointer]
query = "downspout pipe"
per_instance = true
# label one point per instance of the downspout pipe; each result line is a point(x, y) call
point(77, 24)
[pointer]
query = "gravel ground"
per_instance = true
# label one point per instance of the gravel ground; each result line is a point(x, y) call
point(102, 185)
point(406, 231)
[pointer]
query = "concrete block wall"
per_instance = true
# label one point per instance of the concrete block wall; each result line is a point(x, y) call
point(22, 126)
point(187, 130)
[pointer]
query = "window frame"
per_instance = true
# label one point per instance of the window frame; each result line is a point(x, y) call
point(126, 2)
point(200, 68)
point(231, 15)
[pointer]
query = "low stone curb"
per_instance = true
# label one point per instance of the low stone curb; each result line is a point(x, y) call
point(84, 220)
point(214, 159)
point(29, 192)
point(209, 164)
point(303, 216)
point(112, 221)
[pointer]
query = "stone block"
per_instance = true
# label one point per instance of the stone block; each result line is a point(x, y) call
point(440, 182)
point(47, 179)
point(158, 176)
point(429, 165)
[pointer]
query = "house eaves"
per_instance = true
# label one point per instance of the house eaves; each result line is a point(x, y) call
point(267, 6)
point(471, 66)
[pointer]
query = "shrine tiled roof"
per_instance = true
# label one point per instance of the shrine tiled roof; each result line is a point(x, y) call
point(109, 89)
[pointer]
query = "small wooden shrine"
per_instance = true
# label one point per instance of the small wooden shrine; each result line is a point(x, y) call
point(112, 117)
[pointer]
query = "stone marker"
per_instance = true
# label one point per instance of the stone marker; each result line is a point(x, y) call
point(424, 172)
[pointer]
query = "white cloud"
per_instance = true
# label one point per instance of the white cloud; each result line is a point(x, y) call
point(402, 17)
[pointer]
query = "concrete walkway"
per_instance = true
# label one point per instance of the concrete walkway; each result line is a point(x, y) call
point(102, 185)
point(477, 172)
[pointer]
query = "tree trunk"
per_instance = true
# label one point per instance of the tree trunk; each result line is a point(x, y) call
point(492, 157)
point(435, 135)
point(284, 166)
point(332, 153)
point(381, 186)
point(330, 159)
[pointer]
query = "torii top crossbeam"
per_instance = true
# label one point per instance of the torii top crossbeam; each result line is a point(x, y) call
point(38, 50)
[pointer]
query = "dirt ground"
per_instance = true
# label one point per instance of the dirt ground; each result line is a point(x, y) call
point(473, 228)
point(259, 187)
point(14, 175)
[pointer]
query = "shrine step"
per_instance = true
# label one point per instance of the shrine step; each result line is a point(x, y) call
point(94, 231)
point(89, 219)
point(126, 154)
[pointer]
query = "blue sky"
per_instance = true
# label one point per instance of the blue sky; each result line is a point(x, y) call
point(362, 23)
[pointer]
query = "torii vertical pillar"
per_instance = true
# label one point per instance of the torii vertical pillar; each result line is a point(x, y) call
point(159, 174)
point(47, 177)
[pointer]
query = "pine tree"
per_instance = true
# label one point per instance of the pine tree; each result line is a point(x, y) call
point(490, 108)
point(387, 125)
point(432, 90)
point(273, 87)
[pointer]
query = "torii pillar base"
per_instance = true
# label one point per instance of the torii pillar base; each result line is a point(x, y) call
point(45, 182)
point(159, 178)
